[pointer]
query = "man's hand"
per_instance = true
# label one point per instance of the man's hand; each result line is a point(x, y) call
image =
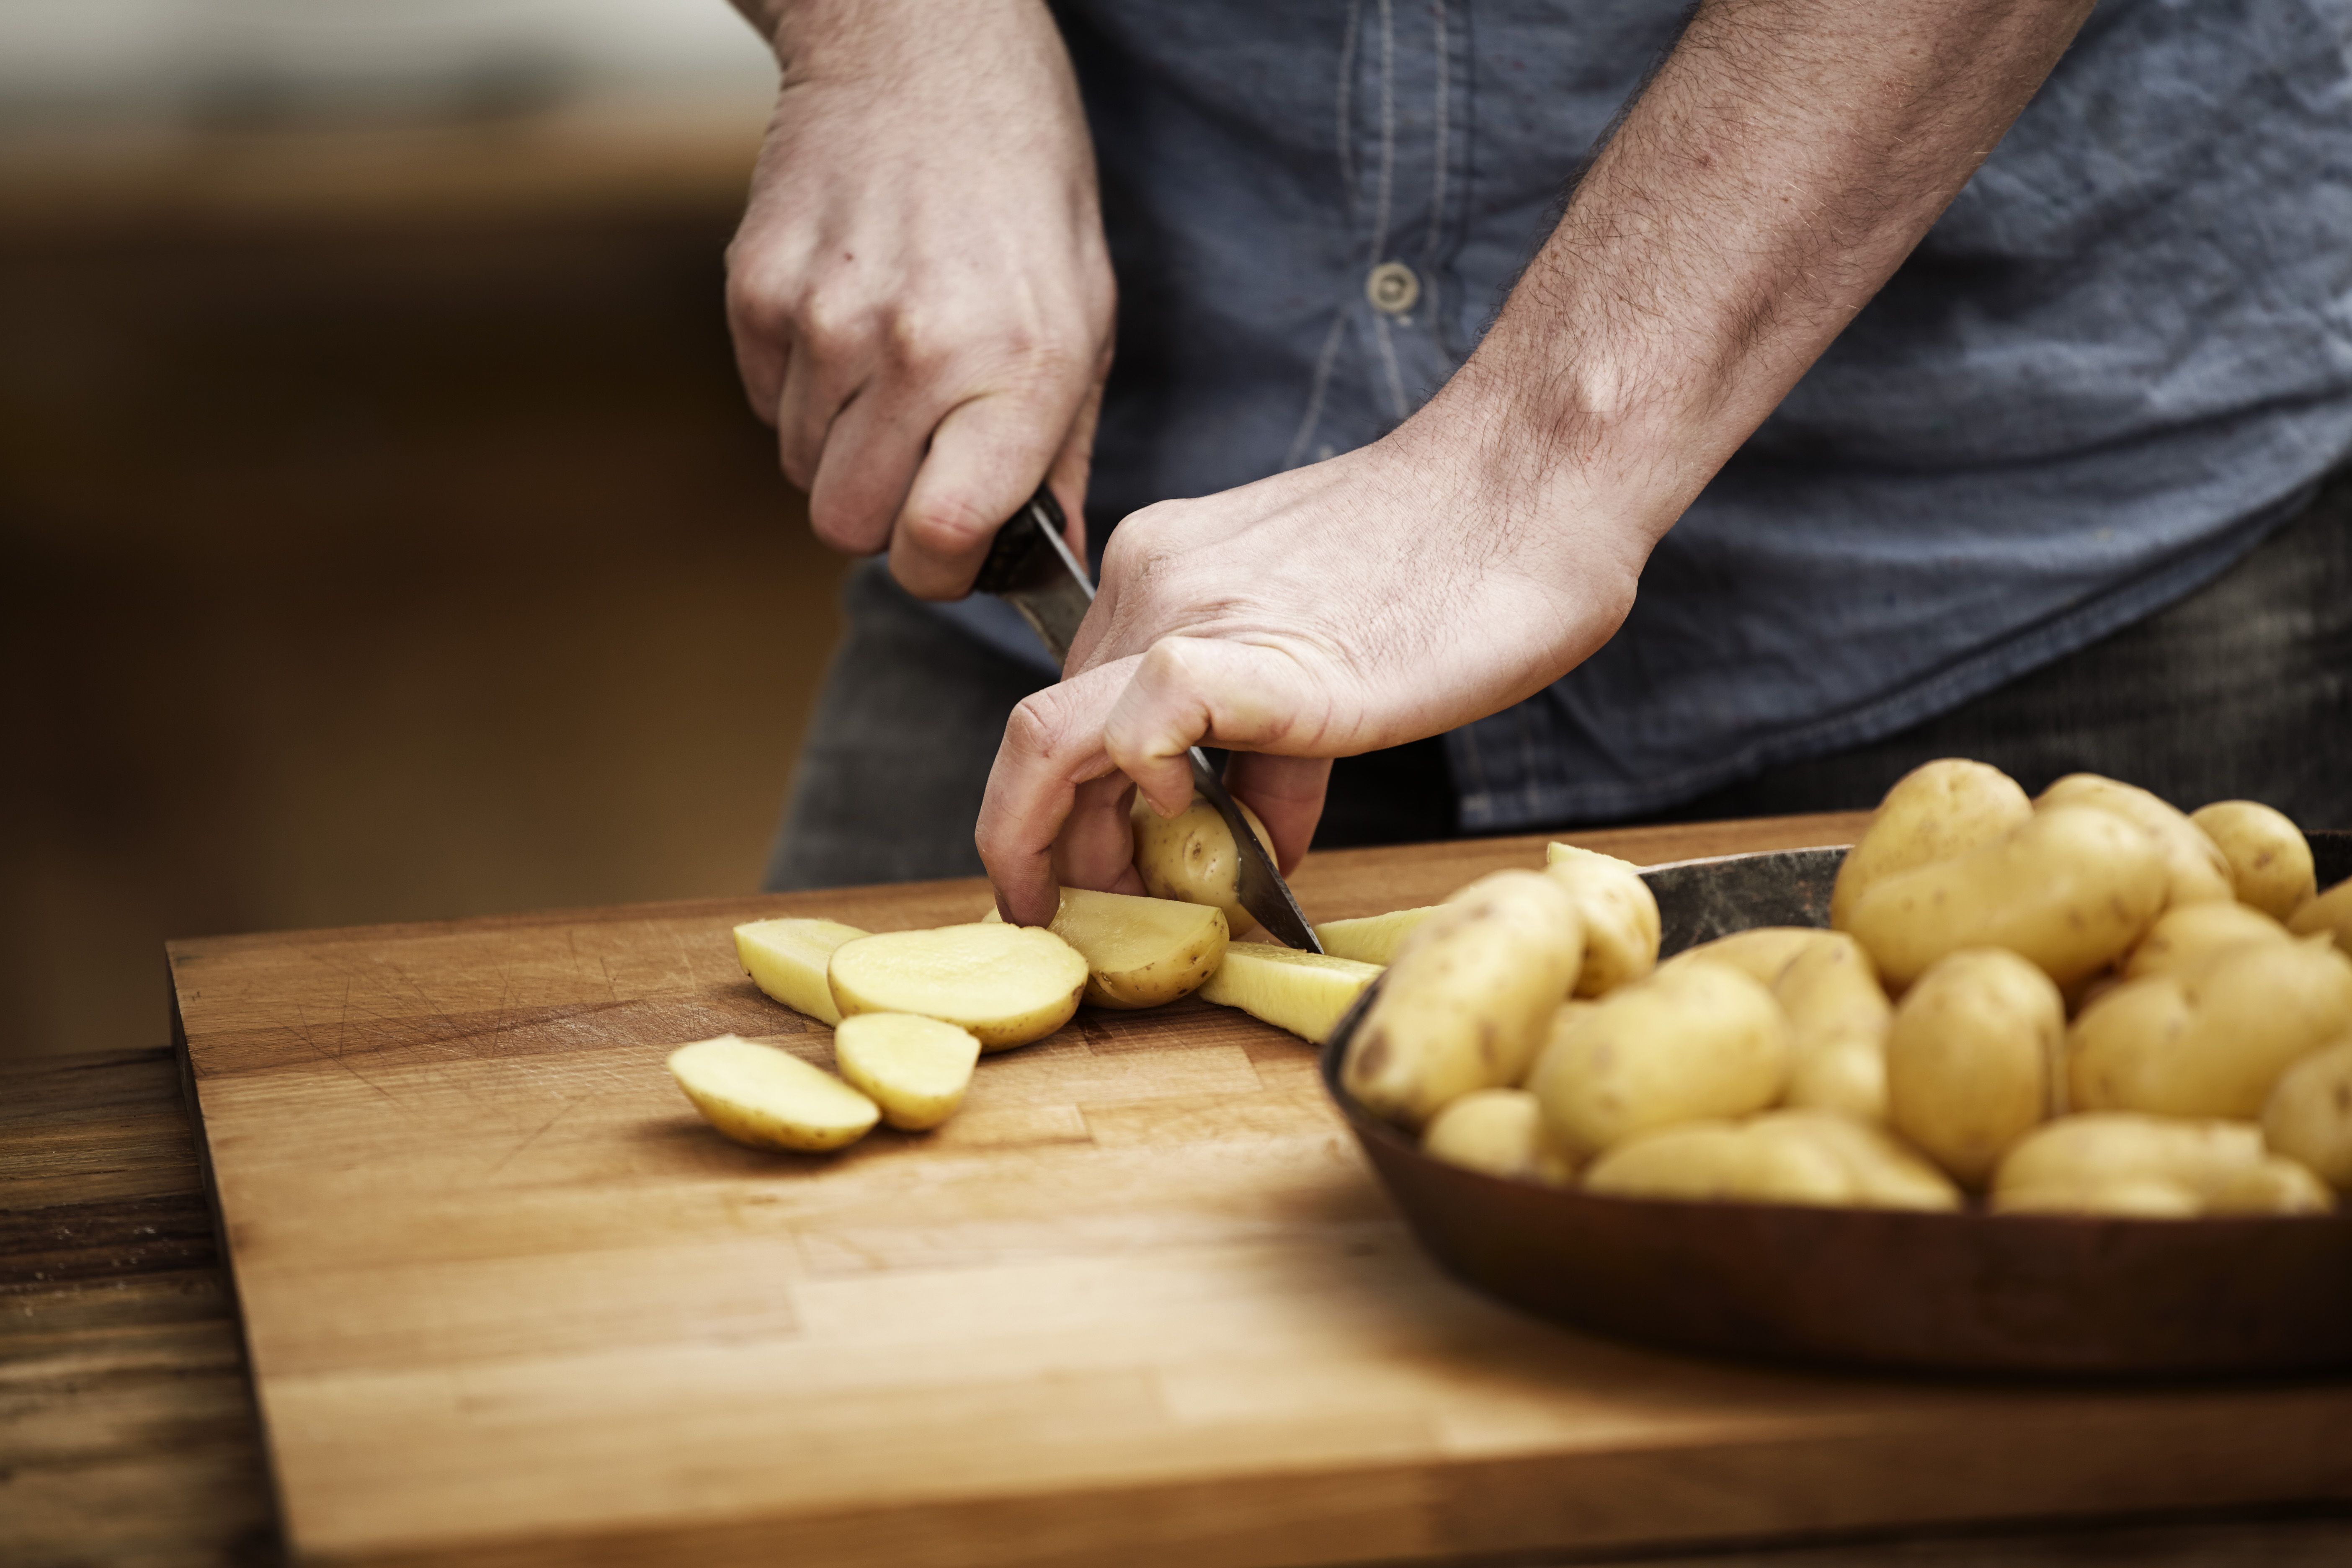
point(1784, 161)
point(920, 293)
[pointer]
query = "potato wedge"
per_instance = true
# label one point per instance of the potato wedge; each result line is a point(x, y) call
point(1373, 938)
point(1935, 812)
point(1305, 993)
point(1969, 1058)
point(1621, 916)
point(2330, 913)
point(1140, 952)
point(2270, 859)
point(2185, 937)
point(1190, 856)
point(786, 959)
point(2195, 868)
point(2308, 1117)
point(1469, 998)
point(2213, 1039)
point(1502, 1133)
point(770, 1099)
point(1693, 1042)
point(1838, 1020)
point(1008, 984)
point(2071, 889)
point(915, 1069)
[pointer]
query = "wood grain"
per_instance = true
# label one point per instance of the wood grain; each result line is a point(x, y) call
point(507, 1301)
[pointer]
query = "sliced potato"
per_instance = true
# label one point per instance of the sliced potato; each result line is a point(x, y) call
point(1621, 916)
point(1140, 952)
point(915, 1069)
point(1693, 1042)
point(2329, 912)
point(1305, 993)
point(786, 959)
point(1502, 1133)
point(770, 1099)
point(1190, 856)
point(2071, 890)
point(2195, 868)
point(2270, 859)
point(1371, 939)
point(2308, 1116)
point(2211, 1040)
point(1935, 812)
point(1008, 984)
point(2185, 937)
point(1469, 999)
point(1969, 1057)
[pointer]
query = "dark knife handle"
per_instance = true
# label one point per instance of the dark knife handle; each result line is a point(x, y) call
point(1014, 562)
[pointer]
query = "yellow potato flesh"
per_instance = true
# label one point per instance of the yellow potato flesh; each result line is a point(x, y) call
point(2308, 1116)
point(2194, 864)
point(786, 959)
point(2270, 859)
point(1007, 984)
point(770, 1099)
point(915, 1069)
point(1500, 1131)
point(1935, 812)
point(1620, 912)
point(2329, 912)
point(1371, 939)
point(1305, 993)
point(1140, 952)
point(1190, 856)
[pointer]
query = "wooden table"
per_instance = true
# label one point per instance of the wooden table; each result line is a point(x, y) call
point(508, 1302)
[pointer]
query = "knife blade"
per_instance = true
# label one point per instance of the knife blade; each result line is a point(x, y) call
point(1030, 567)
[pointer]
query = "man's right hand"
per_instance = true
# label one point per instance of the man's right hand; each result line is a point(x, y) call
point(920, 294)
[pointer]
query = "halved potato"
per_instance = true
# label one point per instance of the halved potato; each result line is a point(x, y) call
point(915, 1069)
point(1190, 856)
point(1140, 952)
point(786, 959)
point(1371, 939)
point(770, 1099)
point(1305, 993)
point(1008, 984)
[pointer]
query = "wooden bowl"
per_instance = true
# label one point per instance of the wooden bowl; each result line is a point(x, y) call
point(1968, 1292)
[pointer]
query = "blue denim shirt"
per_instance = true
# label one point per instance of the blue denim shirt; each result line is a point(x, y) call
point(2122, 355)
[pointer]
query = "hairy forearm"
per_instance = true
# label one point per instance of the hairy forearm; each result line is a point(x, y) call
point(1787, 157)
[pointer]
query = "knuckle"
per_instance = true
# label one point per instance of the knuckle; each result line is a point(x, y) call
point(1035, 728)
point(948, 524)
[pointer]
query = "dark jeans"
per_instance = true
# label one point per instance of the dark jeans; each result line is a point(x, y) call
point(2244, 690)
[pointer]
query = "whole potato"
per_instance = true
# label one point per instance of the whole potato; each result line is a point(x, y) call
point(1469, 999)
point(2118, 1198)
point(1968, 1058)
point(2071, 890)
point(1502, 1133)
point(2195, 868)
point(2308, 1116)
point(2211, 1040)
point(1936, 811)
point(1838, 1019)
point(1760, 952)
point(1704, 1161)
point(2118, 1162)
point(2277, 1185)
point(1883, 1171)
point(1561, 1023)
point(2330, 913)
point(1191, 857)
point(2187, 936)
point(1621, 917)
point(1698, 1041)
point(2270, 859)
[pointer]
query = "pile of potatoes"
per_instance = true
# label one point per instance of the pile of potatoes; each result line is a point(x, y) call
point(2087, 1003)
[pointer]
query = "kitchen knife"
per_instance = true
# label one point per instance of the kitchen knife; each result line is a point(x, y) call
point(1030, 568)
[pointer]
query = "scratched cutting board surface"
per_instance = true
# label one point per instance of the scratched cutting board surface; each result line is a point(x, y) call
point(509, 1301)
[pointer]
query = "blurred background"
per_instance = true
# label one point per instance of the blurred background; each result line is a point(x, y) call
point(383, 531)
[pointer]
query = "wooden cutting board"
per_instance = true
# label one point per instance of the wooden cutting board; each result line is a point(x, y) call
point(507, 1301)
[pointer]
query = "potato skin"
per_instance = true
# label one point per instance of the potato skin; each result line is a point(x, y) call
point(2157, 1167)
point(2308, 1117)
point(2070, 890)
point(1968, 1058)
point(1839, 1016)
point(2330, 913)
point(2195, 868)
point(1469, 999)
point(1760, 952)
point(1713, 1162)
point(2213, 1039)
point(1698, 1041)
point(1935, 812)
point(1190, 856)
point(2270, 859)
point(1621, 917)
point(1500, 1131)
point(2186, 937)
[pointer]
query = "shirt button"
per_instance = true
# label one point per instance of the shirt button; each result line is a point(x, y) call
point(1392, 286)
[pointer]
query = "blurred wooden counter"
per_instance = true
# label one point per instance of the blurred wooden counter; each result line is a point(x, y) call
point(127, 1432)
